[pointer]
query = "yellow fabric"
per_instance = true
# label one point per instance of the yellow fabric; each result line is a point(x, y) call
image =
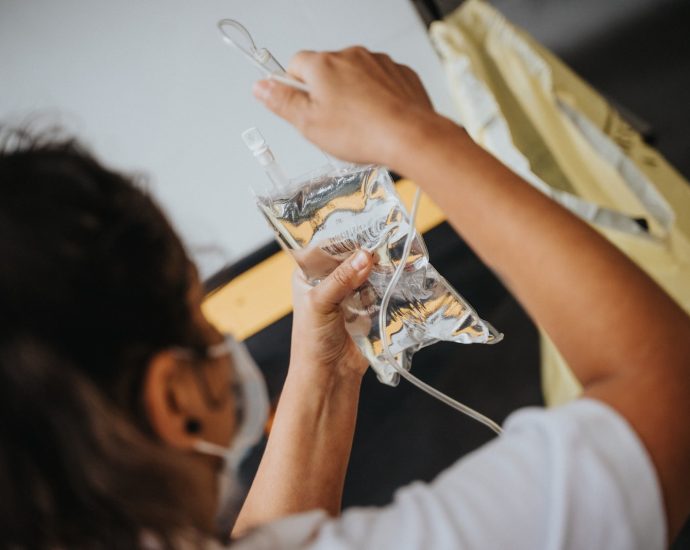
point(532, 89)
point(262, 295)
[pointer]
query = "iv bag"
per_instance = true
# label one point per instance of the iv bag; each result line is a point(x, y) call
point(326, 216)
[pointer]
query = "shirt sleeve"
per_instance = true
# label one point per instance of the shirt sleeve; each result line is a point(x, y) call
point(574, 477)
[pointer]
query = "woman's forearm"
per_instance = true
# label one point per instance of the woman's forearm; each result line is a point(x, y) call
point(304, 465)
point(585, 293)
point(305, 461)
point(623, 337)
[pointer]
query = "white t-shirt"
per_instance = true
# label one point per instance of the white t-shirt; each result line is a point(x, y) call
point(574, 477)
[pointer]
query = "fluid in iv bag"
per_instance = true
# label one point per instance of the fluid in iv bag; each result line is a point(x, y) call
point(323, 218)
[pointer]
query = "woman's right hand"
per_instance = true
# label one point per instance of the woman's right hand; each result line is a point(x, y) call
point(381, 100)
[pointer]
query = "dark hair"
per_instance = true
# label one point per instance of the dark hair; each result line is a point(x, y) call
point(93, 282)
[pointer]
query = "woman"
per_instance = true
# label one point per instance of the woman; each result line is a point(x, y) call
point(113, 392)
point(109, 414)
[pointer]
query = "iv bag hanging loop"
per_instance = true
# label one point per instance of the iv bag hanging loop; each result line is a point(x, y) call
point(236, 35)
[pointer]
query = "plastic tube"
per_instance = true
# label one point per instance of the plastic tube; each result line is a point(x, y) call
point(384, 338)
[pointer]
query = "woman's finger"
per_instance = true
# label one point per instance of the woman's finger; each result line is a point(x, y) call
point(285, 101)
point(351, 274)
point(302, 63)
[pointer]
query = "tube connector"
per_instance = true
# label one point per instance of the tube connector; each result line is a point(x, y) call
point(259, 148)
point(256, 143)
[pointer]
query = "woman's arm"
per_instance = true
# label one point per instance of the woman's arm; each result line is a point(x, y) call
point(625, 339)
point(304, 465)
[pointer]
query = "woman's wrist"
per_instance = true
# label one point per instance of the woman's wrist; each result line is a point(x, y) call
point(421, 131)
point(324, 378)
point(320, 398)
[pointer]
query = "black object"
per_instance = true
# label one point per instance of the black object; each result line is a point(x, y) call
point(428, 10)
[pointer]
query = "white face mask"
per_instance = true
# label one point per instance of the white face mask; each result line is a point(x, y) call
point(230, 494)
point(252, 405)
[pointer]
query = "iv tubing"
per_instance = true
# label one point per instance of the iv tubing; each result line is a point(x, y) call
point(384, 338)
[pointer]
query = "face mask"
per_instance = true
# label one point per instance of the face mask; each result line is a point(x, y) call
point(251, 405)
point(229, 492)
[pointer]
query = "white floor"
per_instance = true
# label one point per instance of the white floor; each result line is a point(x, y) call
point(152, 89)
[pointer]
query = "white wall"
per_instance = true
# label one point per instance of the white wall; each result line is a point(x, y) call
point(151, 88)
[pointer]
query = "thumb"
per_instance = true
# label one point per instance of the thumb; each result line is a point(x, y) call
point(285, 101)
point(348, 276)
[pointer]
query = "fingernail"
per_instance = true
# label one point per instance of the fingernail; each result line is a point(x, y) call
point(360, 261)
point(262, 89)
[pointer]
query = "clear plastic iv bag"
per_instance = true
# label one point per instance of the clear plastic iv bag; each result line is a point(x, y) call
point(324, 217)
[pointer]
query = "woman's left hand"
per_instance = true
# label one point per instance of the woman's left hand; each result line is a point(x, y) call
point(320, 341)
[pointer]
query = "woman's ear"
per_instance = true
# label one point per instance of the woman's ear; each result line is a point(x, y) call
point(173, 401)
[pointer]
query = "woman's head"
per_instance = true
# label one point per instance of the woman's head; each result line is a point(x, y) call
point(96, 411)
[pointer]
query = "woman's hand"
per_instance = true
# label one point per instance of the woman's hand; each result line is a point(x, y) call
point(304, 465)
point(381, 100)
point(321, 346)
